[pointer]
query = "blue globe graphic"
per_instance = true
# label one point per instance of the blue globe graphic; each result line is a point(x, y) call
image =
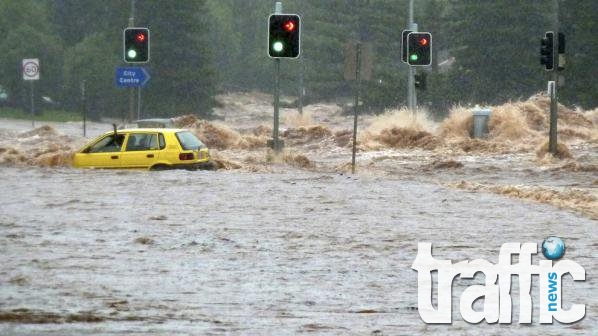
point(553, 248)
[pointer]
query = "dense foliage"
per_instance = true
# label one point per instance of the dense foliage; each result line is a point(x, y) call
point(484, 51)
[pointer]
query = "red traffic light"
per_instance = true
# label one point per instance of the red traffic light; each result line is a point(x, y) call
point(419, 48)
point(136, 41)
point(289, 26)
point(284, 32)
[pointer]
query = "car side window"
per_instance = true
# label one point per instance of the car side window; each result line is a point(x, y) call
point(107, 144)
point(162, 141)
point(142, 142)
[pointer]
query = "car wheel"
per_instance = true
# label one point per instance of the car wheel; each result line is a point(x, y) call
point(210, 165)
point(160, 167)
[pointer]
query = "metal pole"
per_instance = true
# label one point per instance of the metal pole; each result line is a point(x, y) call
point(356, 104)
point(32, 105)
point(275, 145)
point(275, 141)
point(139, 103)
point(552, 136)
point(554, 103)
point(132, 89)
point(301, 89)
point(84, 108)
point(410, 13)
point(411, 99)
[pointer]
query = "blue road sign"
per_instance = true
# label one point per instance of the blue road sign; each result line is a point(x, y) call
point(131, 77)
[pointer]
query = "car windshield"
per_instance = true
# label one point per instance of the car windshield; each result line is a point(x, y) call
point(107, 144)
point(189, 141)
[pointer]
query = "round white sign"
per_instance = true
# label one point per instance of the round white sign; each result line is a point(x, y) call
point(31, 69)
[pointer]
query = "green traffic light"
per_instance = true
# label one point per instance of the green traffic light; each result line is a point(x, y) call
point(278, 46)
point(136, 43)
point(284, 32)
point(413, 57)
point(131, 54)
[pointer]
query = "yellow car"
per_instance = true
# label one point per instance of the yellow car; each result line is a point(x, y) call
point(149, 148)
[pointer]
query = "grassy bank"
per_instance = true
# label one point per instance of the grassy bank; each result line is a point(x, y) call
point(47, 115)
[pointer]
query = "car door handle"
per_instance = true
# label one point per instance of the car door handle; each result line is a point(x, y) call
point(114, 157)
point(150, 155)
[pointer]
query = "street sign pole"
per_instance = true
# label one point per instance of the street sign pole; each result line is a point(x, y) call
point(139, 103)
point(30, 69)
point(32, 105)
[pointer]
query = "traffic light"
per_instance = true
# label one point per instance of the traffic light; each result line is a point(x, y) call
point(547, 51)
point(284, 35)
point(136, 45)
point(421, 81)
point(419, 48)
point(561, 51)
point(404, 35)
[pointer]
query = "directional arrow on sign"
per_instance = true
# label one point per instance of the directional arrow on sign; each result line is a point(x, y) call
point(131, 77)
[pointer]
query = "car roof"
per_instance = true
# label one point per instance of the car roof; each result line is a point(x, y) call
point(148, 130)
point(155, 123)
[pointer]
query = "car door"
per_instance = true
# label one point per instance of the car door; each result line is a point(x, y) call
point(141, 150)
point(104, 153)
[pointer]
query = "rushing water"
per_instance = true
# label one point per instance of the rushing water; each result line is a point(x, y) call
point(92, 252)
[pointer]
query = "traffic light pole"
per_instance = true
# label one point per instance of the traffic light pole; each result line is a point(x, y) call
point(554, 104)
point(411, 95)
point(276, 144)
point(132, 89)
point(552, 137)
point(301, 89)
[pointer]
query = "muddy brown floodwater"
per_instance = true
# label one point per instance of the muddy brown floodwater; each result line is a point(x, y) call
point(144, 253)
point(289, 244)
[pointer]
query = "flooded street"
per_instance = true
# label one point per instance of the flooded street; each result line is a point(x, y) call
point(290, 243)
point(200, 253)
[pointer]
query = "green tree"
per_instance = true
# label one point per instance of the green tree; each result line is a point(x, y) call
point(27, 33)
point(76, 19)
point(183, 75)
point(496, 48)
point(579, 23)
point(93, 61)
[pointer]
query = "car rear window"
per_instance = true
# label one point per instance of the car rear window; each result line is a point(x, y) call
point(189, 141)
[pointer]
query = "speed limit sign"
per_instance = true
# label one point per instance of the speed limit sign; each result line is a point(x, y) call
point(31, 69)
